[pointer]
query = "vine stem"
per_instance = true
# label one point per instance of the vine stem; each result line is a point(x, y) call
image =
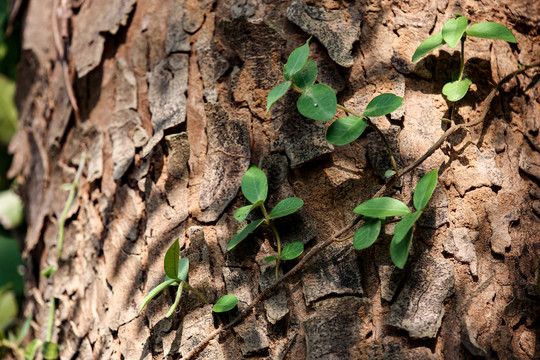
point(189, 287)
point(276, 235)
point(278, 240)
point(455, 128)
point(323, 245)
point(51, 320)
point(71, 197)
point(378, 131)
point(462, 58)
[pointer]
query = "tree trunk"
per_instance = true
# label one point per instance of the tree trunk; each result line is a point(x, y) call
point(171, 110)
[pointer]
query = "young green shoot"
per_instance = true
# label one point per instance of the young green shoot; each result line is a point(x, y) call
point(176, 271)
point(255, 189)
point(376, 210)
point(49, 349)
point(72, 188)
point(319, 102)
point(455, 30)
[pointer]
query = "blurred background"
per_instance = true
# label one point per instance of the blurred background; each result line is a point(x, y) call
point(11, 213)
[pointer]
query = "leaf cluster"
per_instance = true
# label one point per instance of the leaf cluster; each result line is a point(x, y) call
point(319, 102)
point(176, 271)
point(255, 189)
point(376, 210)
point(454, 31)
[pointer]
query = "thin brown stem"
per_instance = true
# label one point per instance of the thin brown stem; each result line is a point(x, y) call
point(344, 239)
point(455, 128)
point(323, 245)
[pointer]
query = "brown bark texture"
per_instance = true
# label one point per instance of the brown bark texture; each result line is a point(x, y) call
point(170, 106)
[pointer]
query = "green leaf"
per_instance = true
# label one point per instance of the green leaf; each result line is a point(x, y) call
point(286, 76)
point(176, 300)
point(270, 258)
point(382, 105)
point(345, 130)
point(225, 303)
point(456, 90)
point(10, 263)
point(23, 330)
point(242, 213)
point(453, 30)
point(491, 30)
point(8, 309)
point(389, 173)
point(297, 59)
point(255, 185)
point(399, 252)
point(172, 257)
point(292, 251)
point(49, 271)
point(50, 350)
point(382, 207)
point(306, 77)
point(424, 189)
point(405, 224)
point(66, 187)
point(431, 43)
point(242, 234)
point(183, 267)
point(31, 349)
point(367, 234)
point(155, 291)
point(318, 102)
point(10, 337)
point(8, 115)
point(276, 93)
point(286, 207)
point(11, 209)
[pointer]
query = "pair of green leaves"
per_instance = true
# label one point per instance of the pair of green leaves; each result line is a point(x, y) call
point(377, 209)
point(176, 270)
point(255, 189)
point(318, 101)
point(454, 29)
point(349, 128)
point(452, 32)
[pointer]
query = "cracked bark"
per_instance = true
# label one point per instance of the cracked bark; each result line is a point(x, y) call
point(141, 89)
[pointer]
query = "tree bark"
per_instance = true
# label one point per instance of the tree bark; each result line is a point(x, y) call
point(169, 103)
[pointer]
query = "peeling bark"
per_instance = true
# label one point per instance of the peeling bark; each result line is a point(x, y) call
point(172, 99)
